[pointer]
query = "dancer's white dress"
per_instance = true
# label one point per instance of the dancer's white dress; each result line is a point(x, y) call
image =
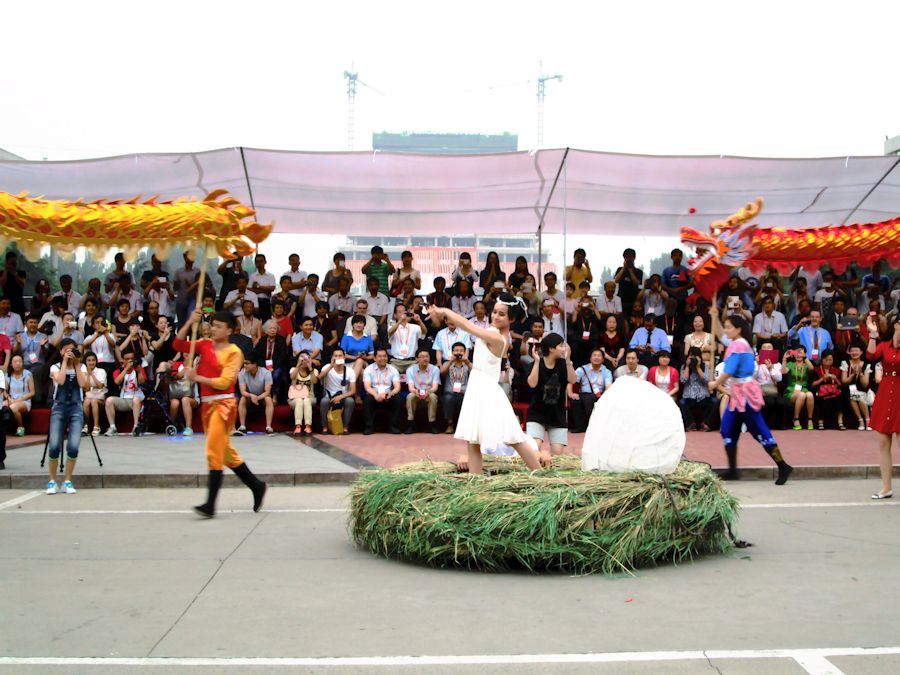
point(486, 417)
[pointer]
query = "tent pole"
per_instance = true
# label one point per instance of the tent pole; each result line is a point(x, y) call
point(247, 180)
point(540, 231)
point(871, 190)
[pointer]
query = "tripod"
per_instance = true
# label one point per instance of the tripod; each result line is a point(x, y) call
point(62, 455)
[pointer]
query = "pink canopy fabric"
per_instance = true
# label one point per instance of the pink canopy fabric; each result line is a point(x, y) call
point(366, 193)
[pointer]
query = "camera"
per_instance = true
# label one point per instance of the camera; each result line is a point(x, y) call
point(458, 357)
point(48, 328)
point(75, 353)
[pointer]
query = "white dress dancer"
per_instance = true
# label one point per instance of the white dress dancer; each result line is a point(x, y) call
point(486, 418)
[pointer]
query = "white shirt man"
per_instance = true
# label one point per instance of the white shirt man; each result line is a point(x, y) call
point(381, 379)
point(446, 338)
point(260, 279)
point(295, 273)
point(813, 280)
point(404, 339)
point(73, 300)
point(161, 297)
point(334, 382)
point(552, 319)
point(767, 325)
point(379, 304)
point(341, 303)
point(135, 300)
point(607, 305)
point(10, 323)
point(371, 328)
point(309, 301)
point(238, 308)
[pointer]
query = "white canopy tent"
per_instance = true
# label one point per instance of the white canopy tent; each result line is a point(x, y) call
point(365, 193)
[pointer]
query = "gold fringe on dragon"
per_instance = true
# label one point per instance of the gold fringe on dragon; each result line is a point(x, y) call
point(735, 242)
point(218, 223)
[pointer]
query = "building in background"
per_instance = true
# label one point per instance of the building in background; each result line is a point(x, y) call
point(438, 255)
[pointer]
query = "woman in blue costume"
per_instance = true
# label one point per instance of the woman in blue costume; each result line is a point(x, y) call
point(746, 400)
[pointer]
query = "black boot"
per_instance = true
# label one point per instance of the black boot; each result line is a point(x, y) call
point(732, 473)
point(257, 487)
point(214, 482)
point(784, 469)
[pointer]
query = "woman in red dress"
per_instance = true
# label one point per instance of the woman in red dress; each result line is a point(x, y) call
point(885, 418)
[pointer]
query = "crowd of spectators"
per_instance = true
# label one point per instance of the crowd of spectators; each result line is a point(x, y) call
point(310, 343)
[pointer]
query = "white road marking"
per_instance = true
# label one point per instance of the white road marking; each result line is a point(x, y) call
point(818, 665)
point(815, 658)
point(132, 512)
point(819, 505)
point(19, 500)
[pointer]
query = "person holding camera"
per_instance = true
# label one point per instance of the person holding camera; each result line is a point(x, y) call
point(128, 378)
point(455, 373)
point(403, 336)
point(810, 334)
point(584, 328)
point(653, 296)
point(300, 395)
point(695, 376)
point(69, 382)
point(338, 389)
point(95, 393)
point(591, 380)
point(797, 368)
point(551, 376)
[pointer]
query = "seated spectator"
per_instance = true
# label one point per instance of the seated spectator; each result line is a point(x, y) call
point(255, 386)
point(40, 298)
point(300, 395)
point(12, 283)
point(584, 331)
point(735, 288)
point(827, 386)
point(529, 293)
point(183, 396)
point(480, 319)
point(272, 352)
point(284, 322)
point(5, 418)
point(856, 374)
point(378, 268)
point(551, 291)
point(591, 380)
point(831, 321)
point(520, 273)
point(804, 307)
point(95, 394)
point(310, 296)
point(34, 348)
point(308, 340)
point(296, 276)
point(770, 325)
point(338, 389)
point(612, 342)
point(874, 285)
point(552, 317)
point(247, 323)
point(734, 304)
point(440, 297)
point(332, 281)
point(609, 302)
point(341, 305)
point(653, 296)
point(69, 330)
point(86, 319)
point(288, 299)
point(102, 343)
point(263, 284)
point(158, 288)
point(663, 375)
point(72, 299)
point(6, 349)
point(382, 385)
point(464, 270)
point(150, 317)
point(695, 375)
point(122, 319)
point(404, 333)
point(571, 301)
point(371, 325)
point(812, 336)
point(128, 379)
point(491, 277)
point(529, 340)
point(798, 368)
point(324, 326)
point(769, 375)
point(10, 322)
point(455, 372)
point(446, 338)
point(648, 341)
point(51, 321)
point(463, 302)
point(20, 392)
point(112, 279)
point(378, 305)
point(631, 368)
point(234, 301)
point(634, 320)
point(358, 348)
point(229, 269)
point(161, 350)
point(423, 381)
point(135, 342)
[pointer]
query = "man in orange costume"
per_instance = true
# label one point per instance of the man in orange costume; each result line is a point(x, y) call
point(216, 373)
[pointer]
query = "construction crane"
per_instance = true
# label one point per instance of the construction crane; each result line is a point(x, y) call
point(541, 85)
point(352, 78)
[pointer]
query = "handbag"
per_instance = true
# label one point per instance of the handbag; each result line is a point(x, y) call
point(298, 391)
point(335, 419)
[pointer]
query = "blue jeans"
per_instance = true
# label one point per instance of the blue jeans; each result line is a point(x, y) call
point(63, 413)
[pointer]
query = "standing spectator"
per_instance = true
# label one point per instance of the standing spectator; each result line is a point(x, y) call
point(151, 316)
point(663, 375)
point(831, 321)
point(826, 295)
point(856, 374)
point(40, 299)
point(247, 323)
point(676, 280)
point(423, 381)
point(403, 336)
point(520, 272)
point(591, 380)
point(440, 297)
point(263, 284)
point(324, 326)
point(234, 301)
point(529, 340)
point(128, 379)
point(332, 280)
point(629, 278)
point(885, 419)
point(463, 303)
point(183, 396)
point(300, 396)
point(378, 268)
point(184, 284)
point(584, 331)
point(72, 298)
point(382, 384)
point(580, 269)
point(121, 319)
point(814, 339)
point(804, 307)
point(406, 271)
point(135, 342)
point(12, 283)
point(124, 291)
point(612, 342)
point(10, 322)
point(67, 415)
point(338, 389)
point(696, 397)
point(310, 296)
point(20, 392)
point(288, 301)
point(876, 278)
point(455, 372)
point(446, 338)
point(492, 276)
point(609, 302)
point(797, 295)
point(379, 305)
point(812, 279)
point(571, 303)
point(464, 270)
point(827, 385)
point(157, 288)
point(255, 385)
point(551, 291)
point(296, 276)
point(86, 319)
point(550, 377)
point(340, 305)
point(770, 325)
point(95, 392)
point(118, 271)
point(309, 341)
point(797, 368)
point(631, 368)
point(229, 269)
point(161, 345)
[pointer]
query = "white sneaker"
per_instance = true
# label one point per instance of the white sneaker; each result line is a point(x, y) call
point(112, 431)
point(51, 488)
point(69, 488)
point(270, 431)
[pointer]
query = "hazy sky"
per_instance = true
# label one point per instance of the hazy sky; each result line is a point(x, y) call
point(780, 79)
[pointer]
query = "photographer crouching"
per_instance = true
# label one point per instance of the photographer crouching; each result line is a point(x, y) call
point(69, 382)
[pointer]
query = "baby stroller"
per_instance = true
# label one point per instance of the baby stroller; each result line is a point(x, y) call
point(156, 397)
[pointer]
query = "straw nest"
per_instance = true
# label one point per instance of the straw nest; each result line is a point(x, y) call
point(562, 519)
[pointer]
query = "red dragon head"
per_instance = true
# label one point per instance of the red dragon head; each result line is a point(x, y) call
point(728, 245)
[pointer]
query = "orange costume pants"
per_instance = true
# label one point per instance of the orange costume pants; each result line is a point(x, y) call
point(218, 421)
